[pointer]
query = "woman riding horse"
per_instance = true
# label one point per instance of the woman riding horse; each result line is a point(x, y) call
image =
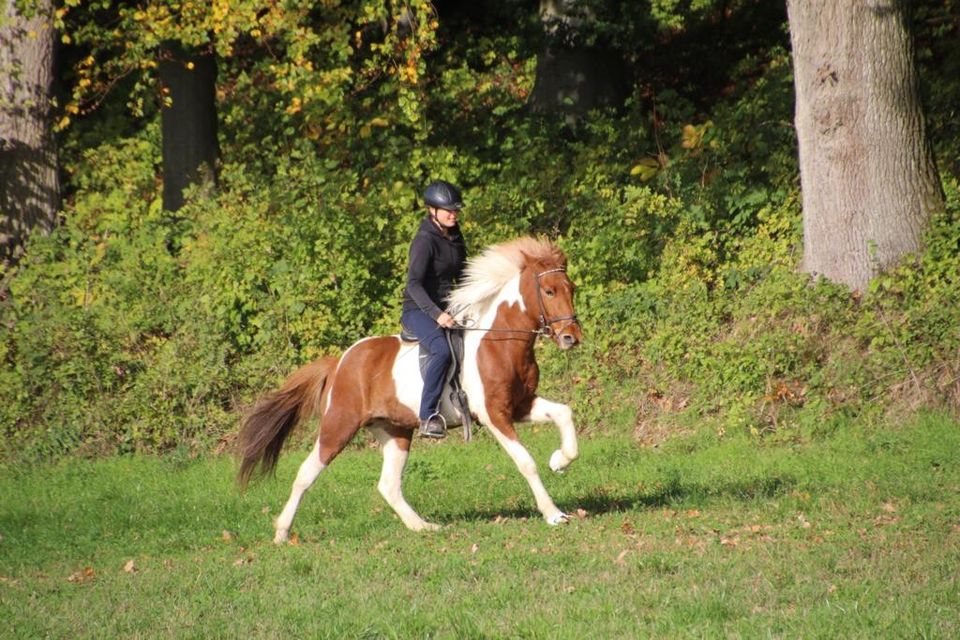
point(437, 258)
point(512, 294)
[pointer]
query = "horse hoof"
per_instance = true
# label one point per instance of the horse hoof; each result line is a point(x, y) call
point(425, 526)
point(280, 537)
point(559, 518)
point(559, 462)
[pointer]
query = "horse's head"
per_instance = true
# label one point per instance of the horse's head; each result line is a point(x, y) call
point(548, 297)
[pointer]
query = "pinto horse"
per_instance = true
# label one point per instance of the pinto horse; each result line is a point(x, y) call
point(511, 294)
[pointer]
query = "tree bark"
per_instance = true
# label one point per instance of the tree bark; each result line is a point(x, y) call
point(867, 174)
point(573, 78)
point(29, 179)
point(188, 122)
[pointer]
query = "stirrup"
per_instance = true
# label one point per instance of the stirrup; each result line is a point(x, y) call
point(434, 426)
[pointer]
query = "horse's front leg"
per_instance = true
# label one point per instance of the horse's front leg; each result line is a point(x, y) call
point(561, 415)
point(503, 430)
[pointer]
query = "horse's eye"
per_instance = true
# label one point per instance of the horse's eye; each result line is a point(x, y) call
point(549, 292)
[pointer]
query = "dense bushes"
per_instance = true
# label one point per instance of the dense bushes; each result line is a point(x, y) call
point(131, 328)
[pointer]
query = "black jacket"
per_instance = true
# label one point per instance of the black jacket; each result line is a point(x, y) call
point(436, 264)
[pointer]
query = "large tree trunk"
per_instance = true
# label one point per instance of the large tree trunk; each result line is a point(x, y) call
point(866, 169)
point(573, 78)
point(29, 181)
point(188, 122)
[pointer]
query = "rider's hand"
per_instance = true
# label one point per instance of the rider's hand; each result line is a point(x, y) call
point(446, 320)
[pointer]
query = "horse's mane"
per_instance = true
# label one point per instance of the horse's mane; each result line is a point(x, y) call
point(488, 273)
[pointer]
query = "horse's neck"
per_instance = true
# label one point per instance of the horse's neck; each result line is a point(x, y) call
point(517, 330)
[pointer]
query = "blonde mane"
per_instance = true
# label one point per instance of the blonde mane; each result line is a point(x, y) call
point(490, 272)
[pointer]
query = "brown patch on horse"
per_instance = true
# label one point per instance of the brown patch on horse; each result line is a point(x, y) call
point(274, 417)
point(508, 369)
point(363, 391)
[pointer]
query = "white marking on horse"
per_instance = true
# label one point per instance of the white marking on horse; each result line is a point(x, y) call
point(307, 474)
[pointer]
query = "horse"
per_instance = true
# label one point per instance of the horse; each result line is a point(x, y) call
point(510, 295)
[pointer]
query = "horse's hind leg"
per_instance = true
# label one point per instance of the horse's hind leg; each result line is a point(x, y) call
point(395, 442)
point(337, 430)
point(561, 415)
point(309, 470)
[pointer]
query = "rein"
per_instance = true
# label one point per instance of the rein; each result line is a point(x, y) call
point(544, 329)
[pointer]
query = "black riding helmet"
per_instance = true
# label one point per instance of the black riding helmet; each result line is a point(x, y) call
point(443, 195)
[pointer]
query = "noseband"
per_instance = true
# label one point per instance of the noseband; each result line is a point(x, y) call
point(545, 323)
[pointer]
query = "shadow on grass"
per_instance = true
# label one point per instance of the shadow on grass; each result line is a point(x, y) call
point(672, 493)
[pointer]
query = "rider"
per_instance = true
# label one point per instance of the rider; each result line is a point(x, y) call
point(437, 259)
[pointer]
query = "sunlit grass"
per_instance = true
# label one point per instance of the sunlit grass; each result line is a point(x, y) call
point(854, 536)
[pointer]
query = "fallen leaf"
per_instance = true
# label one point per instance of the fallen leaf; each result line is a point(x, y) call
point(81, 576)
point(621, 556)
point(627, 528)
point(130, 567)
point(474, 547)
point(729, 542)
point(294, 539)
point(881, 521)
point(581, 514)
point(227, 535)
point(889, 507)
point(693, 513)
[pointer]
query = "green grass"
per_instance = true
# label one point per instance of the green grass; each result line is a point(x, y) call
point(854, 535)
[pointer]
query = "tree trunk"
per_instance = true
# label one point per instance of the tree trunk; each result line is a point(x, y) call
point(573, 78)
point(29, 180)
point(867, 173)
point(188, 122)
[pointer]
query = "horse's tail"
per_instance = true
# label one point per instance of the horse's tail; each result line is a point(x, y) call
point(267, 426)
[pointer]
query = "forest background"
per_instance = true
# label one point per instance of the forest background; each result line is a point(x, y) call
point(142, 324)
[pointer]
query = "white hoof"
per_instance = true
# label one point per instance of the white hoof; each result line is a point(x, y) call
point(559, 518)
point(281, 536)
point(559, 462)
point(424, 526)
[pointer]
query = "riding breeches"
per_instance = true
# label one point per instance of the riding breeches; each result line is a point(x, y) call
point(433, 338)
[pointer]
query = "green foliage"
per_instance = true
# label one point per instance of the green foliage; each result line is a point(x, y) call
point(131, 328)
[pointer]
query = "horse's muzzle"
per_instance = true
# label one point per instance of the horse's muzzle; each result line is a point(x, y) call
point(567, 340)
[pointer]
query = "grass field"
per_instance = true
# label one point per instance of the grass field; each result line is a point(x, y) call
point(853, 535)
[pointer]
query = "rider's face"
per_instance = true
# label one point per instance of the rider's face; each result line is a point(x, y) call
point(445, 217)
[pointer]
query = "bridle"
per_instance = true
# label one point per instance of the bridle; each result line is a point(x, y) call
point(545, 323)
point(544, 329)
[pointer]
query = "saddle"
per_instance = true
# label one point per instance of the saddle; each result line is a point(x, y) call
point(458, 397)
